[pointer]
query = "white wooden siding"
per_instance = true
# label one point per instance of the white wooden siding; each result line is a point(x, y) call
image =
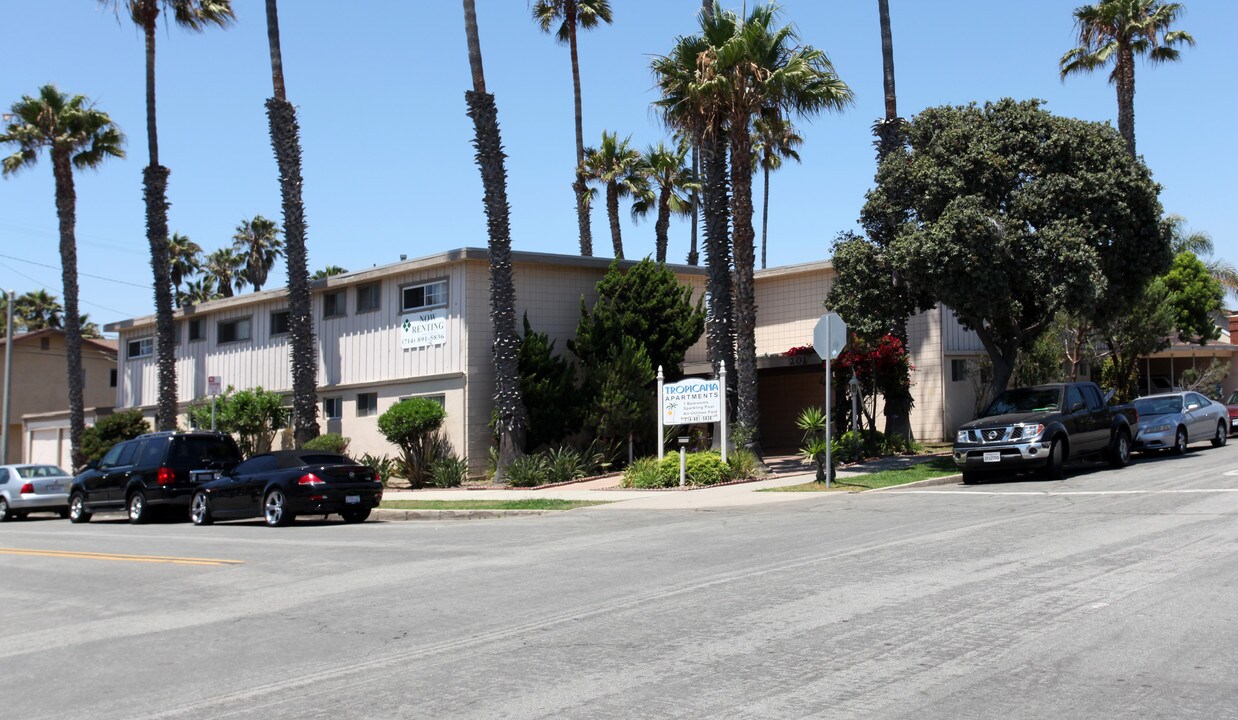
point(958, 339)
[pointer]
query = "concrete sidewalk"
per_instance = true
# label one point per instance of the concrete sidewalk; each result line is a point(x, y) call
point(607, 489)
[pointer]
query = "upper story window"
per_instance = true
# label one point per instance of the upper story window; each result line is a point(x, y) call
point(334, 304)
point(140, 348)
point(279, 323)
point(230, 331)
point(423, 296)
point(194, 330)
point(368, 297)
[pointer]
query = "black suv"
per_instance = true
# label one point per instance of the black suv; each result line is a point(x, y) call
point(157, 470)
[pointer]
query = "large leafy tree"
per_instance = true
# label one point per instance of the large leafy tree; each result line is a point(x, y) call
point(1009, 214)
point(75, 136)
point(258, 242)
point(775, 140)
point(618, 168)
point(668, 178)
point(195, 15)
point(184, 261)
point(512, 416)
point(759, 67)
point(286, 142)
point(563, 17)
point(1114, 32)
point(1143, 329)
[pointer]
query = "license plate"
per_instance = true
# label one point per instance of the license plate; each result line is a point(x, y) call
point(1234, 422)
point(352, 499)
point(992, 457)
point(201, 476)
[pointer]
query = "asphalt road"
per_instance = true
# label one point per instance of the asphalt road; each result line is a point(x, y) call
point(1108, 595)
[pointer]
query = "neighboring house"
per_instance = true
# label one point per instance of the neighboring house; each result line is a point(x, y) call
point(422, 327)
point(39, 390)
point(1160, 371)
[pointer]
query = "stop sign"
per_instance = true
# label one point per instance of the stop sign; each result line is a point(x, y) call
point(829, 337)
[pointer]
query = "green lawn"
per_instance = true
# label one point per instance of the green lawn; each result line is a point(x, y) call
point(530, 504)
point(936, 467)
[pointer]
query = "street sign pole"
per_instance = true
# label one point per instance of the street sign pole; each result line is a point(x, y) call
point(829, 337)
point(722, 381)
point(829, 465)
point(660, 412)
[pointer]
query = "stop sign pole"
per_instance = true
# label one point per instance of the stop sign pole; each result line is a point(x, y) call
point(829, 337)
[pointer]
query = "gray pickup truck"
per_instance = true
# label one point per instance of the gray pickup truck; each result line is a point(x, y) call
point(1043, 427)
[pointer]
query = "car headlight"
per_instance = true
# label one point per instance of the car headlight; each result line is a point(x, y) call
point(1163, 427)
point(1032, 432)
point(962, 437)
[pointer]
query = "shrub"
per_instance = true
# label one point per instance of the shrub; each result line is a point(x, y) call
point(411, 425)
point(564, 464)
point(110, 430)
point(448, 472)
point(646, 472)
point(528, 471)
point(700, 468)
point(253, 415)
point(744, 463)
point(330, 442)
point(384, 466)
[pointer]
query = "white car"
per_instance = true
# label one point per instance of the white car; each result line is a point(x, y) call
point(33, 488)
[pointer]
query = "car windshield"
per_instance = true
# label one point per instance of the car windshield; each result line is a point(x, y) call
point(1159, 405)
point(1025, 400)
point(1233, 398)
point(38, 471)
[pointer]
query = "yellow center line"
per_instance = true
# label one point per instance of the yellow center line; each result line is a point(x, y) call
point(117, 557)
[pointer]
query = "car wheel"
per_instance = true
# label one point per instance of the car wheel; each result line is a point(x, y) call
point(1057, 458)
point(1221, 437)
point(1180, 442)
point(5, 512)
point(77, 509)
point(1120, 453)
point(355, 516)
point(200, 510)
point(275, 509)
point(139, 512)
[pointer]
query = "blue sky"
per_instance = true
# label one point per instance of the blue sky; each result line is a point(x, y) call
point(387, 157)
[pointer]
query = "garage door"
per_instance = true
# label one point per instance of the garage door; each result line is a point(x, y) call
point(45, 446)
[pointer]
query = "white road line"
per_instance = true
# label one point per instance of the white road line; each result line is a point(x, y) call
point(1063, 492)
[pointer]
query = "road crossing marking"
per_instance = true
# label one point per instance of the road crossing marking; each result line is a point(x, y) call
point(1183, 491)
point(78, 555)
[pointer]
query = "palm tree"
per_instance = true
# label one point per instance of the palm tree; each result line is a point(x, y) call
point(257, 241)
point(200, 290)
point(184, 260)
point(617, 167)
point(76, 135)
point(328, 271)
point(665, 167)
point(513, 417)
point(195, 15)
point(1116, 31)
point(226, 270)
point(759, 69)
point(1200, 244)
point(90, 329)
point(38, 310)
point(286, 141)
point(775, 140)
point(568, 14)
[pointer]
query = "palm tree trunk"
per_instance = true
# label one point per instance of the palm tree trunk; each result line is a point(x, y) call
point(66, 212)
point(887, 59)
point(693, 256)
point(745, 301)
point(718, 251)
point(513, 417)
point(151, 11)
point(1126, 95)
point(662, 226)
point(579, 187)
point(286, 142)
point(612, 211)
point(765, 209)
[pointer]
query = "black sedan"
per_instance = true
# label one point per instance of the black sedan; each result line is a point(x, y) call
point(278, 486)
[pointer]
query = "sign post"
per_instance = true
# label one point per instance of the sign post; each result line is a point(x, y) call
point(829, 337)
point(213, 383)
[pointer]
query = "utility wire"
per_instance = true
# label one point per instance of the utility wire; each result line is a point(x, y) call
point(55, 267)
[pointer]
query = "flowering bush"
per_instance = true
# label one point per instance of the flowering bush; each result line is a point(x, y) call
point(799, 350)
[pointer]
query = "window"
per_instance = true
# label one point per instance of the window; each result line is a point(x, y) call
point(334, 304)
point(332, 408)
point(45, 343)
point(958, 370)
point(112, 458)
point(367, 404)
point(127, 452)
point(4, 475)
point(279, 323)
point(367, 297)
point(111, 377)
point(1073, 397)
point(150, 452)
point(195, 330)
point(423, 297)
point(233, 331)
point(144, 347)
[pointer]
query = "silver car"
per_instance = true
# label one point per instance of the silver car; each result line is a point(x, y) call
point(1172, 421)
point(33, 488)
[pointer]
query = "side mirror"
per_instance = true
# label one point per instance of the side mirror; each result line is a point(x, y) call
point(1077, 406)
point(92, 465)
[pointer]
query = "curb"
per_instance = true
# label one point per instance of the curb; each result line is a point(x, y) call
point(943, 480)
point(388, 514)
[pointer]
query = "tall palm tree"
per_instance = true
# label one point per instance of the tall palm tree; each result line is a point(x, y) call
point(666, 168)
point(617, 167)
point(694, 256)
point(775, 140)
point(76, 135)
point(758, 69)
point(257, 241)
point(1115, 31)
point(184, 260)
point(286, 141)
point(226, 270)
point(38, 310)
point(569, 14)
point(513, 417)
point(195, 15)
